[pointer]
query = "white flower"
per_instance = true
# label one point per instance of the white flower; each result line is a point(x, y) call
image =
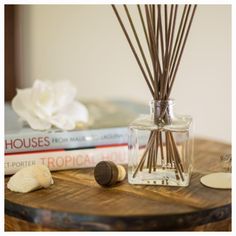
point(49, 104)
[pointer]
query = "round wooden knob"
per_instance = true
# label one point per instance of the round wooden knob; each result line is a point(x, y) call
point(107, 173)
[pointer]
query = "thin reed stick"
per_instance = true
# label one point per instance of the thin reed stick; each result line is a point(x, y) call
point(167, 54)
point(144, 30)
point(133, 50)
point(161, 32)
point(138, 42)
point(178, 35)
point(142, 160)
point(182, 49)
point(153, 49)
point(180, 40)
point(166, 87)
point(161, 146)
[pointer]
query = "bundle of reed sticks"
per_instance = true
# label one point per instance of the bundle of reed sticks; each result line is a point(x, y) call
point(166, 29)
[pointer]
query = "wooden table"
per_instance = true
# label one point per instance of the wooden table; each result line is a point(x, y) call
point(75, 202)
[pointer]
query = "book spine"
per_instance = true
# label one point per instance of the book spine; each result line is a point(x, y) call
point(61, 160)
point(64, 140)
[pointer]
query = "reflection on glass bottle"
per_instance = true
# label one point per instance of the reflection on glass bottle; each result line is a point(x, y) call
point(160, 147)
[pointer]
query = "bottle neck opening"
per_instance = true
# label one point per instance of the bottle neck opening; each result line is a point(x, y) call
point(161, 111)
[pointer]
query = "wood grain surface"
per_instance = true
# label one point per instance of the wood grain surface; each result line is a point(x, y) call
point(77, 202)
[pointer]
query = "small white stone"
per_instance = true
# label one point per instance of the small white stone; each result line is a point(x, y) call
point(30, 178)
point(220, 180)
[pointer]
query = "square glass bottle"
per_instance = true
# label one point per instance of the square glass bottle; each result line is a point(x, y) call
point(160, 147)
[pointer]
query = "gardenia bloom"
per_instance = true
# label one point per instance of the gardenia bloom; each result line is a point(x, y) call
point(49, 104)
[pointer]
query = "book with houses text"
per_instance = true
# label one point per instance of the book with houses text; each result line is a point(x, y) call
point(107, 125)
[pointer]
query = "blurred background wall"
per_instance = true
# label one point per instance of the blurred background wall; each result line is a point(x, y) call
point(85, 44)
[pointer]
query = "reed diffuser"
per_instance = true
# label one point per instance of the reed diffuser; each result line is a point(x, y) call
point(160, 143)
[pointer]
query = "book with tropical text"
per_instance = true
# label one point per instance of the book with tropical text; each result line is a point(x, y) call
point(66, 159)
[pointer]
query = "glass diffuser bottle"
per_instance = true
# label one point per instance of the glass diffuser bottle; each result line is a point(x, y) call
point(160, 147)
point(161, 143)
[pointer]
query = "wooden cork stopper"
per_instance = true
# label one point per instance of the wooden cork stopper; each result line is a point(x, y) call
point(107, 173)
point(121, 172)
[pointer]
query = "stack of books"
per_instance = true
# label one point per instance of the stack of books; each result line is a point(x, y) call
point(104, 138)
